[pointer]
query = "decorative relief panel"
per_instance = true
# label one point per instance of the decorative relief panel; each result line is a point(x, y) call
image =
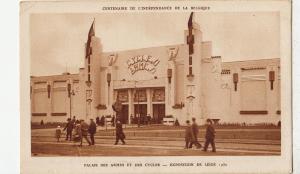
point(173, 51)
point(112, 59)
point(158, 95)
point(89, 95)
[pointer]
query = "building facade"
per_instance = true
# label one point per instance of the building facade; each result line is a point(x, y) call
point(184, 81)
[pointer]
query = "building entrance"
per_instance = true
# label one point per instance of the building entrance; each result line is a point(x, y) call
point(140, 109)
point(158, 112)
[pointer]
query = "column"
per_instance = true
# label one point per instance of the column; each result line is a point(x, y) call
point(149, 101)
point(110, 91)
point(130, 104)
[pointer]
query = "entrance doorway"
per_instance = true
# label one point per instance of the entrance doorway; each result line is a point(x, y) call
point(158, 112)
point(142, 110)
point(124, 114)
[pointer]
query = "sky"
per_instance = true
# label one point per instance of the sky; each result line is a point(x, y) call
point(58, 40)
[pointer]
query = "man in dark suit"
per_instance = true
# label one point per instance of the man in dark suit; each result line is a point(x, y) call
point(84, 132)
point(210, 136)
point(119, 133)
point(195, 131)
point(69, 126)
point(188, 134)
point(92, 131)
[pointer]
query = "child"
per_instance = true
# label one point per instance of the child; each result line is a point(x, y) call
point(58, 133)
point(188, 134)
point(210, 136)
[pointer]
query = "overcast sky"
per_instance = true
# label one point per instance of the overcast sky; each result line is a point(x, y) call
point(57, 40)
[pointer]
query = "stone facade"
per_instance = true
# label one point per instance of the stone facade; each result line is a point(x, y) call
point(183, 80)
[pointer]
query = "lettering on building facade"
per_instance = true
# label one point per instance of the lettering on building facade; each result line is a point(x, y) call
point(142, 62)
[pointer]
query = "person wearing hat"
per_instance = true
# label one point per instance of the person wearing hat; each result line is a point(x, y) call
point(57, 133)
point(69, 127)
point(195, 132)
point(77, 137)
point(84, 132)
point(119, 133)
point(210, 136)
point(188, 134)
point(92, 131)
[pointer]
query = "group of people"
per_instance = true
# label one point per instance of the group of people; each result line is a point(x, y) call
point(82, 130)
point(100, 121)
point(77, 130)
point(191, 135)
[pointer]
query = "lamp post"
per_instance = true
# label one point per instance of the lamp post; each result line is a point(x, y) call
point(70, 94)
point(138, 104)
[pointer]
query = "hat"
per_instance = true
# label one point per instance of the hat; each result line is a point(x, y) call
point(209, 121)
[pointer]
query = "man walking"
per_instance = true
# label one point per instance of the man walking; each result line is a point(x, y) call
point(92, 131)
point(69, 126)
point(195, 132)
point(84, 132)
point(119, 133)
point(210, 136)
point(188, 134)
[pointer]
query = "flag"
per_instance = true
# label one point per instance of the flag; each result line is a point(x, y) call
point(190, 23)
point(88, 43)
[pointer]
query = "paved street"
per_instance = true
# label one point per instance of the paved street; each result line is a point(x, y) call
point(44, 144)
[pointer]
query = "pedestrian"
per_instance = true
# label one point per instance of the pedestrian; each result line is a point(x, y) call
point(77, 137)
point(74, 120)
point(188, 134)
point(92, 131)
point(176, 122)
point(58, 133)
point(84, 132)
point(119, 133)
point(69, 127)
point(98, 121)
point(210, 136)
point(102, 121)
point(195, 132)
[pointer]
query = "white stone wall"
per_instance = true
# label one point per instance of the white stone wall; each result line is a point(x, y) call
point(56, 107)
point(253, 92)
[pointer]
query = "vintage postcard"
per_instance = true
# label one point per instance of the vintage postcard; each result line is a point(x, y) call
point(165, 87)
